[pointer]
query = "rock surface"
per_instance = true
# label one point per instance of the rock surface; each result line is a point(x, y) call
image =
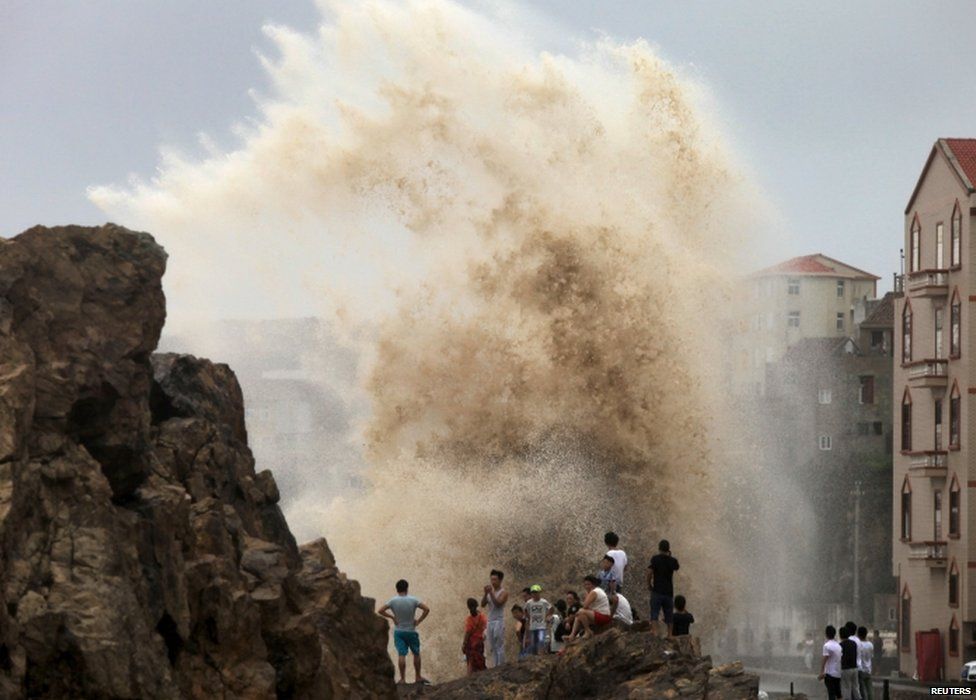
point(141, 556)
point(615, 664)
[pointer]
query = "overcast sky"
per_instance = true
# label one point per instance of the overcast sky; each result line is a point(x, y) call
point(832, 105)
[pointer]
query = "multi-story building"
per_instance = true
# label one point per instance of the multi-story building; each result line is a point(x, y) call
point(827, 422)
point(812, 296)
point(934, 470)
point(814, 348)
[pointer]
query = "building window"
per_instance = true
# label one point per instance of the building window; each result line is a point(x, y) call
point(956, 234)
point(793, 285)
point(915, 262)
point(938, 424)
point(955, 321)
point(826, 442)
point(877, 340)
point(939, 246)
point(793, 319)
point(878, 427)
point(953, 637)
point(866, 391)
point(939, 345)
point(824, 396)
point(906, 333)
point(840, 321)
point(954, 585)
point(954, 508)
point(905, 629)
point(906, 422)
point(840, 288)
point(937, 515)
point(954, 417)
point(906, 510)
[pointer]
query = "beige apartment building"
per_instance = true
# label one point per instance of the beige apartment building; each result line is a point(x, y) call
point(934, 470)
point(812, 296)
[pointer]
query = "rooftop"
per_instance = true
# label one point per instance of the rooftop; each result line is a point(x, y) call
point(961, 156)
point(818, 265)
point(883, 313)
point(965, 152)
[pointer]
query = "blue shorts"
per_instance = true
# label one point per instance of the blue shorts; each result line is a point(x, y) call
point(662, 603)
point(405, 640)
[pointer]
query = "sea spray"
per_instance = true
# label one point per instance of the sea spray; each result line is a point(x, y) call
point(531, 253)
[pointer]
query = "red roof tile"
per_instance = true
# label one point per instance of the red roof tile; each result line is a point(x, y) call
point(965, 152)
point(805, 263)
point(816, 264)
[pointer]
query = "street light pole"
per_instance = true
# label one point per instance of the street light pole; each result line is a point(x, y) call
point(857, 549)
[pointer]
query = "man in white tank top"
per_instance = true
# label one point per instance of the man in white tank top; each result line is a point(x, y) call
point(596, 609)
point(494, 600)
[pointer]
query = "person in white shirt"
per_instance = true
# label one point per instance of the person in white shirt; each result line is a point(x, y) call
point(621, 609)
point(619, 557)
point(830, 663)
point(865, 656)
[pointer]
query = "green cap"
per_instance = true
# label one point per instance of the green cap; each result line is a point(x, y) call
point(536, 588)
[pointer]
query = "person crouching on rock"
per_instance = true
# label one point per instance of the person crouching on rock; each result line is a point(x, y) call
point(681, 619)
point(473, 646)
point(623, 614)
point(405, 637)
point(596, 609)
point(573, 605)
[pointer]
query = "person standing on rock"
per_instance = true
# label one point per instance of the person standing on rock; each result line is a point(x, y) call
point(405, 637)
point(494, 599)
point(612, 541)
point(608, 582)
point(537, 609)
point(660, 582)
point(473, 646)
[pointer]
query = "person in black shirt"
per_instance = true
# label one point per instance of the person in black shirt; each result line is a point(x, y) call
point(573, 606)
point(682, 618)
point(849, 682)
point(660, 581)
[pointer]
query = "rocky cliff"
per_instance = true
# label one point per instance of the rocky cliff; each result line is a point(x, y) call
point(617, 664)
point(141, 556)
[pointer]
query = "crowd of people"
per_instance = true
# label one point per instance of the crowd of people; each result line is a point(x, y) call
point(846, 666)
point(541, 627)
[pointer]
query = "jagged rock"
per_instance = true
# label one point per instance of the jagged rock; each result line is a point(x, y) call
point(140, 554)
point(615, 664)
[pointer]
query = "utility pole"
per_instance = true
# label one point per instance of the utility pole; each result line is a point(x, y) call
point(857, 549)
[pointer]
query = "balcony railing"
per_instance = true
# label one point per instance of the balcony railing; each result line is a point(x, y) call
point(929, 282)
point(928, 372)
point(935, 459)
point(932, 553)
